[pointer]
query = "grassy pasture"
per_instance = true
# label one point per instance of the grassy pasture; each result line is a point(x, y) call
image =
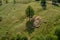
point(14, 19)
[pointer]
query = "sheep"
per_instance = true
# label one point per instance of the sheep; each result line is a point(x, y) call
point(37, 20)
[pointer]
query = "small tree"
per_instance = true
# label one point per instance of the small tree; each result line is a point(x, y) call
point(43, 4)
point(29, 12)
point(0, 2)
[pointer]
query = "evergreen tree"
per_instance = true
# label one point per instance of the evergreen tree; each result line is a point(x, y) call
point(29, 12)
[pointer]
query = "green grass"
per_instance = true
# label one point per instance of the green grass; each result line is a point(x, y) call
point(14, 19)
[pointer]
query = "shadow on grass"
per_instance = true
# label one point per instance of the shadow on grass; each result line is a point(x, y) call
point(29, 27)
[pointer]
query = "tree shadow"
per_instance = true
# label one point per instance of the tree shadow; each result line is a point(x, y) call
point(29, 27)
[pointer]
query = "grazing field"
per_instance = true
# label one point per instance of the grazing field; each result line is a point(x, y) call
point(14, 20)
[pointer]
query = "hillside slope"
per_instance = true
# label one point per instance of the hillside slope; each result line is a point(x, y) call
point(14, 19)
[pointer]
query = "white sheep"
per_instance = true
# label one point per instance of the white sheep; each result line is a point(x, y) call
point(37, 20)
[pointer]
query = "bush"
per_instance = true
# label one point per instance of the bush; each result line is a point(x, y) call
point(29, 12)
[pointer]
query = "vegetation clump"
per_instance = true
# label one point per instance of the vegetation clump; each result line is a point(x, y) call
point(29, 12)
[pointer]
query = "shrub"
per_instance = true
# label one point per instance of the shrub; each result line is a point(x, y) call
point(29, 12)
